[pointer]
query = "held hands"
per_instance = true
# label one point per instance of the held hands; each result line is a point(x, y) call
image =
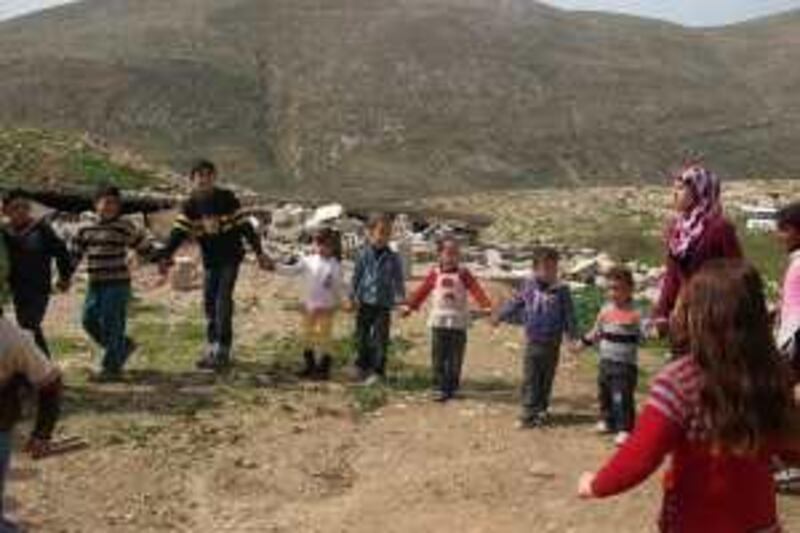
point(266, 263)
point(63, 285)
point(37, 447)
point(349, 306)
point(585, 483)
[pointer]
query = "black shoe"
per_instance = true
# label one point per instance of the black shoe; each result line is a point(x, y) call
point(323, 371)
point(106, 376)
point(206, 363)
point(309, 365)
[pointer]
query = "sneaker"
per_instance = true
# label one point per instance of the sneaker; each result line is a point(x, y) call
point(106, 376)
point(372, 380)
point(206, 363)
point(439, 396)
point(529, 422)
point(601, 428)
point(621, 438)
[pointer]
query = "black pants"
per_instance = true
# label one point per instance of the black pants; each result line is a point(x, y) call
point(539, 372)
point(447, 358)
point(30, 308)
point(373, 327)
point(220, 284)
point(617, 388)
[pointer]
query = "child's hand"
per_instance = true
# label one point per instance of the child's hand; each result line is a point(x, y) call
point(576, 347)
point(37, 448)
point(266, 263)
point(63, 285)
point(405, 311)
point(585, 483)
point(349, 306)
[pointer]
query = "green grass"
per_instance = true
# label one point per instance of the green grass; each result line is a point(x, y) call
point(41, 158)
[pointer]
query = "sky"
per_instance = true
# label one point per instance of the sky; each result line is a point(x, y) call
point(688, 12)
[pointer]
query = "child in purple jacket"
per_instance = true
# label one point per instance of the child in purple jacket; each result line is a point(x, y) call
point(544, 306)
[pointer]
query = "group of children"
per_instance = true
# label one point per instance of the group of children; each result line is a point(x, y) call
point(700, 407)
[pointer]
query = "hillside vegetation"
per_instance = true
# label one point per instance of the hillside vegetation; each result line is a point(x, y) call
point(404, 98)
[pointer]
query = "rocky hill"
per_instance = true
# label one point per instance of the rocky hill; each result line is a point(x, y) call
point(398, 98)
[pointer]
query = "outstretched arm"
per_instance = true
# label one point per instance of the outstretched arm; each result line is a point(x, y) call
point(655, 436)
point(423, 291)
point(475, 289)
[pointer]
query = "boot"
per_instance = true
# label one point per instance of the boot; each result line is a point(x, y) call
point(324, 369)
point(310, 365)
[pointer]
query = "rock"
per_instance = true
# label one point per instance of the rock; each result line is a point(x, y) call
point(326, 215)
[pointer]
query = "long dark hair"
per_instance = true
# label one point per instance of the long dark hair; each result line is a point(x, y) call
point(746, 394)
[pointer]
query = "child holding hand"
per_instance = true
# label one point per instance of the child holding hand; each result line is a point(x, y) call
point(544, 306)
point(322, 276)
point(449, 286)
point(618, 331)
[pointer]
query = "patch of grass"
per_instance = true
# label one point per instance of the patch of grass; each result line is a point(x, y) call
point(369, 399)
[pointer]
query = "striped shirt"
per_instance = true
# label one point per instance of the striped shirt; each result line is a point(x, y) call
point(619, 331)
point(105, 245)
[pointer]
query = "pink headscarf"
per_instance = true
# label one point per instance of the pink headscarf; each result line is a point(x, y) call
point(689, 227)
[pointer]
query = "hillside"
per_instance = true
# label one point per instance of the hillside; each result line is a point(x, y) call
point(55, 161)
point(398, 98)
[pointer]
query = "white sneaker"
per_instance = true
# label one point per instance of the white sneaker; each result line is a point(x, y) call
point(621, 438)
point(372, 380)
point(602, 428)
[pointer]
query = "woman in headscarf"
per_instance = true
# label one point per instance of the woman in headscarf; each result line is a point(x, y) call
point(698, 233)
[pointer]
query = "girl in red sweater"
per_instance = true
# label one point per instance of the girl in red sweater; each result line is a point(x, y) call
point(720, 414)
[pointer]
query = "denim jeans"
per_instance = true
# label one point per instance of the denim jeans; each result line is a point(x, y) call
point(617, 388)
point(220, 283)
point(539, 372)
point(373, 326)
point(447, 354)
point(105, 318)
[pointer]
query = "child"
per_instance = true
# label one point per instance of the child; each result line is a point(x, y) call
point(788, 330)
point(450, 285)
point(720, 413)
point(545, 307)
point(21, 364)
point(105, 245)
point(378, 285)
point(212, 216)
point(32, 247)
point(618, 330)
point(789, 317)
point(322, 274)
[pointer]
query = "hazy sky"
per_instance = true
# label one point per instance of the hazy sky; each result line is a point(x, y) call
point(691, 12)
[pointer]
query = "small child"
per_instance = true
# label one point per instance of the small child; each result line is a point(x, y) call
point(22, 364)
point(378, 285)
point(449, 284)
point(322, 275)
point(545, 308)
point(618, 330)
point(33, 246)
point(720, 413)
point(105, 244)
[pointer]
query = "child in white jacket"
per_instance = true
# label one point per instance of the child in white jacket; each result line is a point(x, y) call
point(323, 290)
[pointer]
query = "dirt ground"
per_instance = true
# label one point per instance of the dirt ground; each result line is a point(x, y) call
point(177, 450)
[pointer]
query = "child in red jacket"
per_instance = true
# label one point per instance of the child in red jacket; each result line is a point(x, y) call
point(720, 413)
point(449, 285)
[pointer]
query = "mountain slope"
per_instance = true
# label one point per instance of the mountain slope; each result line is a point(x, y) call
point(385, 98)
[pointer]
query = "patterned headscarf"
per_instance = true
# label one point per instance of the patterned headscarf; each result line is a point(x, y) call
point(689, 227)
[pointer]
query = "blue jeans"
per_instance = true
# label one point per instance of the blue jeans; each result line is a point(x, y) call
point(5, 459)
point(220, 283)
point(105, 319)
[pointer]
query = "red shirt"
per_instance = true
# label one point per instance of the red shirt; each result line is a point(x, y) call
point(719, 241)
point(706, 490)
